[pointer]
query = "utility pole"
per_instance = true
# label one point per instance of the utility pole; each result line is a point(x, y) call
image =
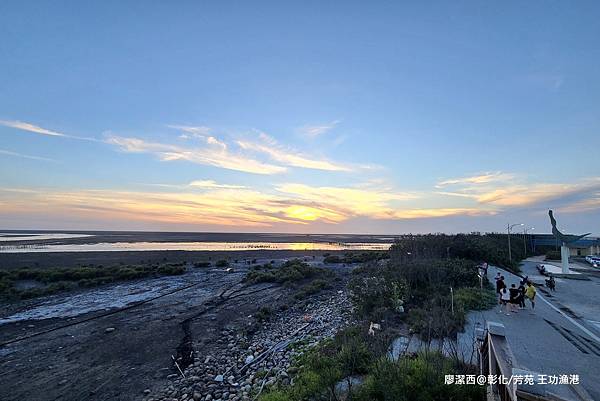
point(509, 254)
point(508, 228)
point(525, 238)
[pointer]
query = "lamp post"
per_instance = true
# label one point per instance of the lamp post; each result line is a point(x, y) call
point(525, 238)
point(508, 228)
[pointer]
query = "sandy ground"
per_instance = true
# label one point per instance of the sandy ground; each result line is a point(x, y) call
point(59, 348)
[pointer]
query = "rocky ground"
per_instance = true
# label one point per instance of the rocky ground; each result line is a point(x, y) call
point(242, 364)
point(118, 342)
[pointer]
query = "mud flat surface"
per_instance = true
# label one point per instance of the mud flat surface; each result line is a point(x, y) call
point(117, 342)
point(108, 258)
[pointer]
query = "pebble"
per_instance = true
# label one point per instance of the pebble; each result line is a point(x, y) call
point(203, 381)
point(109, 329)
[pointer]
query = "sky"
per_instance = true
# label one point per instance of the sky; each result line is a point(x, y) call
point(324, 117)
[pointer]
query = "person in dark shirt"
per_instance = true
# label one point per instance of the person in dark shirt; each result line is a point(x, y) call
point(521, 296)
point(514, 298)
point(499, 286)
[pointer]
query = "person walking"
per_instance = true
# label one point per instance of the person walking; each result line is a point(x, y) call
point(505, 300)
point(521, 297)
point(484, 267)
point(514, 298)
point(499, 286)
point(530, 292)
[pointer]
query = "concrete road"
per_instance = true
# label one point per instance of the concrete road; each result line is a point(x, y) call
point(580, 298)
point(558, 336)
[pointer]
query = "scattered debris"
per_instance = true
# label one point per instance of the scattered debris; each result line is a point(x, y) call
point(245, 364)
point(373, 327)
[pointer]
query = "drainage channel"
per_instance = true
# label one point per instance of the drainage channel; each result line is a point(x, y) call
point(184, 353)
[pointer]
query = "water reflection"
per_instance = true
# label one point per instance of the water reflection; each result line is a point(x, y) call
point(4, 237)
point(197, 246)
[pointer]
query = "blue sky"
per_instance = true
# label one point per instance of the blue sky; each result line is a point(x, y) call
point(308, 117)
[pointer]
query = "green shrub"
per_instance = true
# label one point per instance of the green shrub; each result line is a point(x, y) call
point(491, 248)
point(419, 378)
point(222, 263)
point(263, 314)
point(313, 287)
point(471, 298)
point(435, 319)
point(372, 293)
point(289, 273)
point(53, 280)
point(332, 259)
point(202, 264)
point(320, 368)
point(553, 255)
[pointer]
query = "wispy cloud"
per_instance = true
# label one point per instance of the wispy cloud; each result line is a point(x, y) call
point(535, 193)
point(503, 190)
point(197, 184)
point(590, 203)
point(20, 125)
point(30, 127)
point(476, 179)
point(192, 131)
point(210, 184)
point(214, 153)
point(290, 157)
point(21, 155)
point(317, 130)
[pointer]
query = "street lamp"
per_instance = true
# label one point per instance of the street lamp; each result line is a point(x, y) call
point(508, 228)
point(525, 238)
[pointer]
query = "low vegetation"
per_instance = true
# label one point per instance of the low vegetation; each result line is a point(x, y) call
point(202, 264)
point(263, 314)
point(491, 248)
point(332, 370)
point(350, 258)
point(419, 292)
point(428, 285)
point(222, 263)
point(291, 272)
point(26, 283)
point(312, 288)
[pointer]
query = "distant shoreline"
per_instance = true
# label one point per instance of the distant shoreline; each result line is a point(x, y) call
point(109, 258)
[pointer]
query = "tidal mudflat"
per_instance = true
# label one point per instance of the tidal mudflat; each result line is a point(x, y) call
point(119, 340)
